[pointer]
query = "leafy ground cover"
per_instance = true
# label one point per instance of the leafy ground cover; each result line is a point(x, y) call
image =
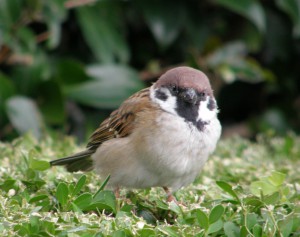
point(245, 189)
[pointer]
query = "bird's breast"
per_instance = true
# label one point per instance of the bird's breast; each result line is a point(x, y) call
point(173, 147)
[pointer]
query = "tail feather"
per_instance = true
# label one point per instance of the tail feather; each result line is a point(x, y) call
point(79, 161)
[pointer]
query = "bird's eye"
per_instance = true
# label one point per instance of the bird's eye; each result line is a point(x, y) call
point(202, 94)
point(174, 88)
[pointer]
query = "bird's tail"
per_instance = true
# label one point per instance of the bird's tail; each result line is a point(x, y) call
point(79, 161)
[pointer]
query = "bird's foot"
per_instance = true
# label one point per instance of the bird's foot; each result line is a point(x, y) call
point(170, 196)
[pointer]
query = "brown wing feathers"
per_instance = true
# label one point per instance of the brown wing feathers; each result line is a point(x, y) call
point(119, 124)
point(121, 121)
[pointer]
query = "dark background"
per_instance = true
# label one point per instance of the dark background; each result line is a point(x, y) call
point(65, 65)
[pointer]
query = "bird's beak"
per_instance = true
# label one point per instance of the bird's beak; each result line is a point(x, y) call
point(189, 95)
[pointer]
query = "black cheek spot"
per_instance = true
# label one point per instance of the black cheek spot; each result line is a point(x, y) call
point(201, 125)
point(161, 95)
point(211, 104)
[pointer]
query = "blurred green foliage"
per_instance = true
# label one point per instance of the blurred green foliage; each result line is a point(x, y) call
point(63, 60)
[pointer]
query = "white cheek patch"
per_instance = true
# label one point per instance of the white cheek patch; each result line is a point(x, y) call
point(206, 114)
point(169, 104)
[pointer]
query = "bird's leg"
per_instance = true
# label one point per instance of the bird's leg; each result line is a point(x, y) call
point(117, 192)
point(170, 196)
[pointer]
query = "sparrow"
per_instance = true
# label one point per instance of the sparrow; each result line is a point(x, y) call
point(161, 136)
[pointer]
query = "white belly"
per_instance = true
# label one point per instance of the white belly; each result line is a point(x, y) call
point(179, 151)
point(165, 154)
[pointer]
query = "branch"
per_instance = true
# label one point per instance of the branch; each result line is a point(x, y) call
point(77, 3)
point(4, 53)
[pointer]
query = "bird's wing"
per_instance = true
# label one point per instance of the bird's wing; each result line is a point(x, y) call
point(119, 124)
point(121, 121)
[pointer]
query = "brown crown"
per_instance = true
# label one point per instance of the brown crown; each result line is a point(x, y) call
point(185, 77)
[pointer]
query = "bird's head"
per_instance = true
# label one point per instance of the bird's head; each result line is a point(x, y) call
point(186, 92)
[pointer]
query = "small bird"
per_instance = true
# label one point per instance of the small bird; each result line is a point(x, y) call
point(159, 137)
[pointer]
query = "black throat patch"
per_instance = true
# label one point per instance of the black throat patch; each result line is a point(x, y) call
point(189, 112)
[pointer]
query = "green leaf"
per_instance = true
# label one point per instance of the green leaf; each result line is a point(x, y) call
point(262, 187)
point(146, 232)
point(232, 51)
point(197, 30)
point(286, 227)
point(99, 207)
point(34, 184)
point(165, 19)
point(253, 201)
point(292, 8)
point(272, 199)
point(215, 227)
point(54, 13)
point(83, 201)
point(253, 38)
point(175, 208)
point(119, 233)
point(257, 230)
point(62, 193)
point(38, 198)
point(244, 232)
point(7, 184)
point(39, 165)
point(27, 78)
point(227, 188)
point(102, 186)
point(216, 213)
point(25, 42)
point(285, 191)
point(251, 220)
point(231, 230)
point(201, 233)
point(70, 72)
point(169, 231)
point(7, 89)
point(24, 115)
point(147, 215)
point(112, 84)
point(231, 63)
point(161, 204)
point(10, 12)
point(128, 208)
point(202, 219)
point(41, 202)
point(34, 223)
point(102, 31)
point(289, 143)
point(21, 230)
point(250, 9)
point(52, 104)
point(276, 178)
point(75, 208)
point(80, 228)
point(296, 223)
point(107, 198)
point(80, 183)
